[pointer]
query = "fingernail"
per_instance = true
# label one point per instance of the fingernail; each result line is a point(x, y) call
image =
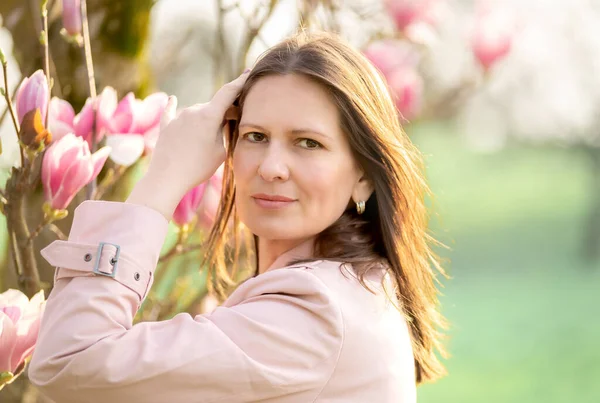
point(247, 71)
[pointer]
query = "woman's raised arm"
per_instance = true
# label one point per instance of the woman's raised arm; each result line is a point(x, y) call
point(280, 334)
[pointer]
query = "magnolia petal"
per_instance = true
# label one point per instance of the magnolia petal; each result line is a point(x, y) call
point(59, 129)
point(52, 161)
point(99, 159)
point(13, 312)
point(13, 297)
point(47, 165)
point(188, 205)
point(71, 16)
point(126, 148)
point(150, 139)
point(149, 112)
point(123, 118)
point(71, 156)
point(210, 204)
point(107, 103)
point(27, 335)
point(33, 93)
point(36, 306)
point(60, 111)
point(74, 179)
point(404, 12)
point(406, 86)
point(20, 99)
point(83, 123)
point(8, 335)
point(217, 179)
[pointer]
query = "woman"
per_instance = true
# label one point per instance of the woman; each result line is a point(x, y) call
point(343, 305)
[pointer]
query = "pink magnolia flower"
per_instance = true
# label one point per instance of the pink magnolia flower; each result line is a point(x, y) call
point(202, 202)
point(405, 13)
point(387, 55)
point(62, 120)
point(397, 61)
point(406, 86)
point(33, 93)
point(132, 125)
point(19, 325)
point(71, 16)
point(492, 35)
point(67, 167)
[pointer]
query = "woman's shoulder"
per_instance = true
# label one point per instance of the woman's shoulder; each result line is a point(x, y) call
point(343, 274)
point(327, 280)
point(298, 280)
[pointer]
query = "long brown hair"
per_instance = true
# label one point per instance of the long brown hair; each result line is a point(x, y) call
point(393, 230)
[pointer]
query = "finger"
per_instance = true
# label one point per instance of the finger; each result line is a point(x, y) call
point(224, 98)
point(170, 112)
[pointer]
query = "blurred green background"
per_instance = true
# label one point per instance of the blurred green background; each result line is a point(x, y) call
point(522, 302)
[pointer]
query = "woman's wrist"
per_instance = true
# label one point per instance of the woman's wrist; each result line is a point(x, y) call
point(156, 194)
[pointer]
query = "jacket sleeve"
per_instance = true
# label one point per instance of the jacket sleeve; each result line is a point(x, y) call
point(282, 335)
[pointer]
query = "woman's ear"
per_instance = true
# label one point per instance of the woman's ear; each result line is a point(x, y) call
point(363, 189)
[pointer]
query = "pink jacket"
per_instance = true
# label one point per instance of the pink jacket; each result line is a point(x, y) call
point(301, 333)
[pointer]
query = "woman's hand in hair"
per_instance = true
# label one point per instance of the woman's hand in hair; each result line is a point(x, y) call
point(189, 149)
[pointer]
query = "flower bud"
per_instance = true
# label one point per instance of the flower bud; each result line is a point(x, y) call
point(71, 16)
point(33, 94)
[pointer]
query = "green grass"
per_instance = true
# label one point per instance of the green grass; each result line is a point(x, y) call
point(522, 303)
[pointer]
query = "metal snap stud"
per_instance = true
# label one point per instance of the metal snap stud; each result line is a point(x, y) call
point(87, 257)
point(113, 261)
point(136, 276)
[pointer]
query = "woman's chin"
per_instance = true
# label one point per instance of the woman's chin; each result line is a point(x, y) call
point(274, 229)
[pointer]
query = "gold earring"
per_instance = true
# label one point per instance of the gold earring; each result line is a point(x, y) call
point(360, 207)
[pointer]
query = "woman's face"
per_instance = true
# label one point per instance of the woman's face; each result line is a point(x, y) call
point(293, 168)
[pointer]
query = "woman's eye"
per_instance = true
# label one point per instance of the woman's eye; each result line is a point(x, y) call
point(255, 137)
point(310, 144)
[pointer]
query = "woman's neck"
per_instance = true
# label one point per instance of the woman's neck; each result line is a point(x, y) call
point(277, 253)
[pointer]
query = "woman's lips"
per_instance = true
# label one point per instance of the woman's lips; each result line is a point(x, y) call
point(272, 202)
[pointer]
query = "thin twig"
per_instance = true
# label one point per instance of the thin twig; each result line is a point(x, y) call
point(89, 64)
point(179, 250)
point(112, 176)
point(220, 51)
point(46, 51)
point(14, 94)
point(14, 250)
point(4, 114)
point(254, 31)
point(57, 231)
point(38, 230)
point(13, 115)
point(172, 251)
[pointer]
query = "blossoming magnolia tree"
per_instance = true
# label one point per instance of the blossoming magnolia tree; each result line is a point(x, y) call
point(71, 155)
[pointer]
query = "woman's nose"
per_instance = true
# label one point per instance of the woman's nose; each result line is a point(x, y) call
point(273, 165)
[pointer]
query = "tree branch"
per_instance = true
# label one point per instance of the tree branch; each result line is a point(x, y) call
point(89, 64)
point(254, 31)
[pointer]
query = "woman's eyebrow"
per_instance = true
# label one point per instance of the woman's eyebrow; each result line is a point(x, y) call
point(294, 131)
